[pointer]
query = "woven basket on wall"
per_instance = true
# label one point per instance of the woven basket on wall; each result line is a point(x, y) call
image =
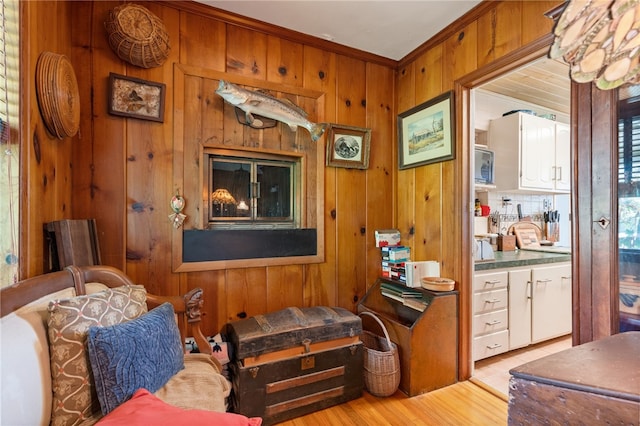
point(137, 36)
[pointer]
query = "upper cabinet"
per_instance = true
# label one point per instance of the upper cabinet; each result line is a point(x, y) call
point(531, 153)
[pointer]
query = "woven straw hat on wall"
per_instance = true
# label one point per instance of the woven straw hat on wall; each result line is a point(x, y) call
point(137, 36)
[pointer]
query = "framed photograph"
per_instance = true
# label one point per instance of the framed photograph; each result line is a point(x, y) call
point(426, 133)
point(136, 98)
point(348, 146)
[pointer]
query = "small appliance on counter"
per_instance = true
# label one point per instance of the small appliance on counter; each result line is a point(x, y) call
point(483, 250)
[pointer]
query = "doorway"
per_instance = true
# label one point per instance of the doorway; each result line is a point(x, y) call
point(539, 87)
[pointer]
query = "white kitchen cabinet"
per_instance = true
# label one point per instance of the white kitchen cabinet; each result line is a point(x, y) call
point(550, 302)
point(531, 153)
point(519, 308)
point(562, 171)
point(490, 314)
point(516, 307)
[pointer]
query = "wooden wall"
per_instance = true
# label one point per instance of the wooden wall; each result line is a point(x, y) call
point(119, 170)
point(45, 160)
point(433, 201)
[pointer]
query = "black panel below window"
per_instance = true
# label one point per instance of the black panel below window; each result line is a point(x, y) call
point(212, 245)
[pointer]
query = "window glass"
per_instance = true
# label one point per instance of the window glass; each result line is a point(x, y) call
point(629, 207)
point(251, 192)
point(629, 174)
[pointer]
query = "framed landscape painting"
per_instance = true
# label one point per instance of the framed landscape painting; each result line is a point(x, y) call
point(426, 133)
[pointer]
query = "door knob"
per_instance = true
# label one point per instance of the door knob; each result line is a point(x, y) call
point(603, 221)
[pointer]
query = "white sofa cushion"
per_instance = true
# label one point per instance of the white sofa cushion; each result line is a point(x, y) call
point(25, 377)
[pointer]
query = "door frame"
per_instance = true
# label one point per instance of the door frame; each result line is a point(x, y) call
point(462, 88)
point(594, 136)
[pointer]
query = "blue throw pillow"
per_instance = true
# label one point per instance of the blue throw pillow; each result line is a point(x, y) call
point(142, 353)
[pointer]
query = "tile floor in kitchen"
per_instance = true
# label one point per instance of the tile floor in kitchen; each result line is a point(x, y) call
point(494, 371)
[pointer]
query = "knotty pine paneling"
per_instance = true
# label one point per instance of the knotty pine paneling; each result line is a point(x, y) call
point(496, 30)
point(460, 54)
point(99, 177)
point(245, 293)
point(284, 63)
point(246, 52)
point(382, 159)
point(430, 198)
point(284, 286)
point(349, 190)
point(45, 160)
point(320, 279)
point(406, 181)
point(202, 42)
point(116, 163)
point(428, 76)
point(534, 24)
point(149, 154)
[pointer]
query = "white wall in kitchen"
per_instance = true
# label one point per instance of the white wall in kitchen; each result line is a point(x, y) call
point(489, 106)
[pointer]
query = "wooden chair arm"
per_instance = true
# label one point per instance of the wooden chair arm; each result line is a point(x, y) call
point(187, 307)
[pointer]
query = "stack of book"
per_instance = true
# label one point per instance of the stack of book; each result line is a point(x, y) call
point(410, 298)
point(393, 262)
point(394, 270)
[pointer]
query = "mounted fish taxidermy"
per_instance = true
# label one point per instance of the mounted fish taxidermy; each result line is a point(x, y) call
point(257, 104)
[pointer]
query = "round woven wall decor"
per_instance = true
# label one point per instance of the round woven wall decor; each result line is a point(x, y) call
point(58, 94)
point(137, 36)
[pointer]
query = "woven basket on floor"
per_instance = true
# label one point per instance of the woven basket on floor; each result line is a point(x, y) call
point(381, 361)
point(137, 36)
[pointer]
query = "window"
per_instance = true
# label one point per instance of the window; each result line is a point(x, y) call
point(629, 170)
point(9, 142)
point(257, 191)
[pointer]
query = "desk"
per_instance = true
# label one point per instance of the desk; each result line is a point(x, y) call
point(427, 341)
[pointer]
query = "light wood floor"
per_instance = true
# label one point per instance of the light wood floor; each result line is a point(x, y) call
point(494, 371)
point(463, 403)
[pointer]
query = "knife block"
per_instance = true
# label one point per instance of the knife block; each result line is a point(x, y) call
point(552, 231)
point(506, 242)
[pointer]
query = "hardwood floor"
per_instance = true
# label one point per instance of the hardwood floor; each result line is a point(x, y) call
point(463, 403)
point(494, 371)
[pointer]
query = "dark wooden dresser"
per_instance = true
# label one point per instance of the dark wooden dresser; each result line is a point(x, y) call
point(594, 383)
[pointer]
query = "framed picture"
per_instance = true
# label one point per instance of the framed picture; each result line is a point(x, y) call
point(348, 146)
point(136, 98)
point(426, 133)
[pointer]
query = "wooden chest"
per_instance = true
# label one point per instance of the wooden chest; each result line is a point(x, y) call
point(594, 383)
point(294, 361)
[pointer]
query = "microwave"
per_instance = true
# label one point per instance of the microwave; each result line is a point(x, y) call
point(484, 166)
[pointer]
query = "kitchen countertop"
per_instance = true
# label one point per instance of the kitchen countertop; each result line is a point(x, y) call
point(510, 259)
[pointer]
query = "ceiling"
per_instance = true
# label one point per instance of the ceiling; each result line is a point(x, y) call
point(393, 29)
point(544, 82)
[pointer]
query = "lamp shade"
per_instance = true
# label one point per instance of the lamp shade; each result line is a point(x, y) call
point(222, 196)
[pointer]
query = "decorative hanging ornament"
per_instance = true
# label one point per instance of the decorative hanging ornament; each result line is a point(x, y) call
point(177, 204)
point(600, 40)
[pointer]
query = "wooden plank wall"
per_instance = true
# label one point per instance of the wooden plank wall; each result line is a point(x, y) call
point(431, 208)
point(122, 168)
point(45, 160)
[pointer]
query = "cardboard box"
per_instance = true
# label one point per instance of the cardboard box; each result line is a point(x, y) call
point(416, 270)
point(396, 253)
point(387, 237)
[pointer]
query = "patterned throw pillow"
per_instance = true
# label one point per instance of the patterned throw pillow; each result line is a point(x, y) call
point(74, 397)
point(142, 353)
